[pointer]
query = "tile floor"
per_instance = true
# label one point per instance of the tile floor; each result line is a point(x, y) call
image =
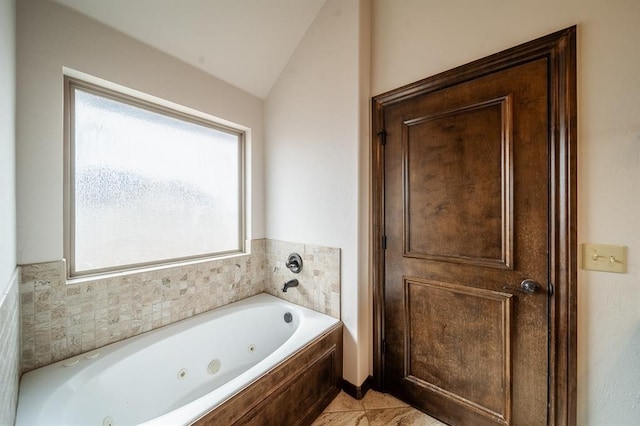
point(375, 409)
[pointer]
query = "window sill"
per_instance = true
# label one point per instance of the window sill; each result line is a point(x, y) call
point(151, 268)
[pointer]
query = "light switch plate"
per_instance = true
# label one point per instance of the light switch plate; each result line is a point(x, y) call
point(603, 257)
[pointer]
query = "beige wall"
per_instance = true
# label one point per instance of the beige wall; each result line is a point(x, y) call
point(413, 39)
point(50, 37)
point(312, 155)
point(317, 165)
point(7, 143)
point(9, 338)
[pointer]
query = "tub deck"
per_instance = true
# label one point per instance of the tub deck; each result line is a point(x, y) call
point(240, 364)
point(293, 393)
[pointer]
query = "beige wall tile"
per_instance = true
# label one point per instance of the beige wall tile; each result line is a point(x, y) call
point(10, 352)
point(320, 275)
point(60, 320)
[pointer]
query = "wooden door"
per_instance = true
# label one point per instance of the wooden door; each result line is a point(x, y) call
point(468, 298)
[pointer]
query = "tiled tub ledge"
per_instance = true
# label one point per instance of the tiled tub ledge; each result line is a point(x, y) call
point(60, 319)
point(261, 360)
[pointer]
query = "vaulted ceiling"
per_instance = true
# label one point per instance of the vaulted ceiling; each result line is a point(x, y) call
point(246, 43)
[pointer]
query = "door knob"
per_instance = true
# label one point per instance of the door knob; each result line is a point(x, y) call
point(528, 286)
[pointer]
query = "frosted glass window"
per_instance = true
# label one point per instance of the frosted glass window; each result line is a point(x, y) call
point(148, 186)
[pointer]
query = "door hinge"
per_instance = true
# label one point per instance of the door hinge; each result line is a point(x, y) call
point(384, 346)
point(384, 242)
point(551, 289)
point(382, 137)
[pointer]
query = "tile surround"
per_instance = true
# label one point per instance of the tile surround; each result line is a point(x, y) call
point(60, 319)
point(319, 287)
point(9, 352)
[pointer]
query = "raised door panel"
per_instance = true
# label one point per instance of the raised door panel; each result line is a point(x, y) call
point(457, 169)
point(458, 344)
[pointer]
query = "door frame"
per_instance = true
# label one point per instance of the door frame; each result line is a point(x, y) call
point(559, 49)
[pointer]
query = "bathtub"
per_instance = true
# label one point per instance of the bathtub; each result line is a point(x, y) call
point(229, 365)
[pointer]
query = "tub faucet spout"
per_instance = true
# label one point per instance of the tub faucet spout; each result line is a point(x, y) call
point(289, 284)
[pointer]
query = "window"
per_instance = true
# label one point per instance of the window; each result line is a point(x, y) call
point(147, 185)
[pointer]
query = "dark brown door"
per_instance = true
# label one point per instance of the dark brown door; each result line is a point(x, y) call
point(468, 317)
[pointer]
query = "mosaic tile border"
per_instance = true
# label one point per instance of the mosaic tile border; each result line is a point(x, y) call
point(319, 287)
point(9, 352)
point(60, 320)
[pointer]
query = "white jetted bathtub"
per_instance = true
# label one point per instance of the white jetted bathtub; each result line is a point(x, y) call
point(173, 375)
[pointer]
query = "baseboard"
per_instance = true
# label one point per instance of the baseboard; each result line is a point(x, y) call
point(357, 392)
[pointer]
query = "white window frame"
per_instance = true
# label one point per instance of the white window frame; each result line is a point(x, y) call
point(70, 84)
